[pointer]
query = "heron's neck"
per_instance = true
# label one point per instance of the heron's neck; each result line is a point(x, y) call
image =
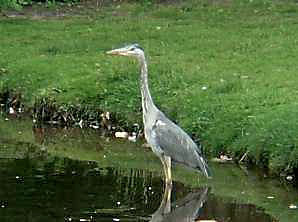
point(147, 102)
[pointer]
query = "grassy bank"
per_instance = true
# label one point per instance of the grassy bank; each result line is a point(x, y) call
point(224, 70)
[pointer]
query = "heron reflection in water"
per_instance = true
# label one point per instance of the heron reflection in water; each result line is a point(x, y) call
point(167, 140)
point(184, 210)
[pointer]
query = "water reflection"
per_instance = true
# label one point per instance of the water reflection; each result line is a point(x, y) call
point(48, 188)
point(183, 210)
point(40, 180)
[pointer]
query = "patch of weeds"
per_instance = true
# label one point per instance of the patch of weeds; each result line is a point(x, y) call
point(146, 3)
point(25, 2)
point(10, 4)
point(228, 87)
point(3, 71)
point(11, 101)
point(48, 110)
point(53, 50)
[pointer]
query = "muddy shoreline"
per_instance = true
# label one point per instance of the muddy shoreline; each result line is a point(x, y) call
point(48, 111)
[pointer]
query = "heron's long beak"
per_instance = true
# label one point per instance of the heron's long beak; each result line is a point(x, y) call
point(117, 52)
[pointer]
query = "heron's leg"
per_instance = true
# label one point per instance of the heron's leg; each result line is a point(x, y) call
point(168, 169)
point(165, 205)
point(167, 198)
point(166, 202)
point(166, 162)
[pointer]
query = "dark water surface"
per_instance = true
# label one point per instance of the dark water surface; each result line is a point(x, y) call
point(49, 174)
point(55, 189)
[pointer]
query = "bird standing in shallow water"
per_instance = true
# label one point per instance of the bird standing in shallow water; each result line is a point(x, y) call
point(167, 140)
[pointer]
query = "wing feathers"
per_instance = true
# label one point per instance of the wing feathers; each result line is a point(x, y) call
point(174, 142)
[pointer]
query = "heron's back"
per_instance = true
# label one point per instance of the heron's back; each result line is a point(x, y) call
point(177, 144)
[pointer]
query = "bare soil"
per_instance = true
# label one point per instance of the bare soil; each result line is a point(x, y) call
point(83, 8)
point(46, 11)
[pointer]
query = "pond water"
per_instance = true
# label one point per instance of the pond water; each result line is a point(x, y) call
point(54, 174)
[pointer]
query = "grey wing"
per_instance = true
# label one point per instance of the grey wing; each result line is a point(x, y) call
point(174, 142)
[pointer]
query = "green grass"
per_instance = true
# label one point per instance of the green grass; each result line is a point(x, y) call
point(244, 52)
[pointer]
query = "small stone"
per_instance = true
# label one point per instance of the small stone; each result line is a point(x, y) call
point(292, 206)
point(11, 110)
point(94, 126)
point(121, 134)
point(133, 137)
point(225, 158)
point(270, 197)
point(289, 178)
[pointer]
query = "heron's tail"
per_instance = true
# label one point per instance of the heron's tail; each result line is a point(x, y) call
point(203, 166)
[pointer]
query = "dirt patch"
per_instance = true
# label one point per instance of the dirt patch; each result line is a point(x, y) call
point(44, 10)
point(41, 10)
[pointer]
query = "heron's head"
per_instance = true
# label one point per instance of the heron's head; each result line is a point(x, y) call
point(133, 50)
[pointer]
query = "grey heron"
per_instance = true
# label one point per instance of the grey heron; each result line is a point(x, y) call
point(167, 140)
